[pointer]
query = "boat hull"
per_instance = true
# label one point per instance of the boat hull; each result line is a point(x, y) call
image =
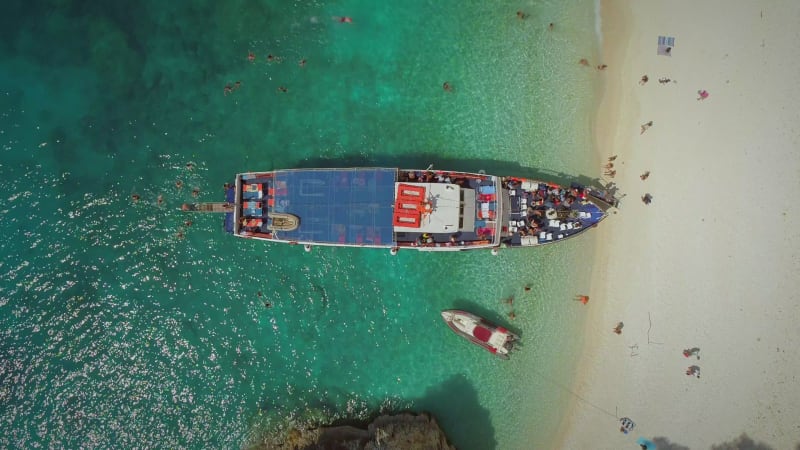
point(425, 210)
point(492, 338)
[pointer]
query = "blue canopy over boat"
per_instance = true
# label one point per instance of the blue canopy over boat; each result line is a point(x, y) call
point(338, 206)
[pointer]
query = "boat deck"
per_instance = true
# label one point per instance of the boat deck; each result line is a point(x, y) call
point(335, 206)
point(542, 213)
point(485, 211)
point(370, 207)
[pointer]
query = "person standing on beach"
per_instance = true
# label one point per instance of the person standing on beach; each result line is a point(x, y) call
point(689, 352)
point(644, 80)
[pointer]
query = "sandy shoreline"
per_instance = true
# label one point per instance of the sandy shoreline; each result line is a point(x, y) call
point(714, 260)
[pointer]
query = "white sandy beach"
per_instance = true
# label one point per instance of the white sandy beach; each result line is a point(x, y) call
point(714, 261)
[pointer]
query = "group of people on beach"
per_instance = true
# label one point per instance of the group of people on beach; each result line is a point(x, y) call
point(645, 79)
point(692, 352)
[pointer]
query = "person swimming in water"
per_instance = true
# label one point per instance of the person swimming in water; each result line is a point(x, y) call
point(343, 19)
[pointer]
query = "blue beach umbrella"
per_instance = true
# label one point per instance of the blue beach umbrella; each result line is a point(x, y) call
point(627, 425)
point(646, 444)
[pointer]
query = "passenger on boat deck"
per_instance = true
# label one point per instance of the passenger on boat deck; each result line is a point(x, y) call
point(425, 238)
point(412, 176)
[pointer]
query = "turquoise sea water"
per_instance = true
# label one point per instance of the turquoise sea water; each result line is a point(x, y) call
point(123, 326)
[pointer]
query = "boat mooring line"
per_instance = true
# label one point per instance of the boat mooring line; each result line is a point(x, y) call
point(599, 408)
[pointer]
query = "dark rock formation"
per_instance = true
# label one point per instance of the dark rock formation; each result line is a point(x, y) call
point(399, 432)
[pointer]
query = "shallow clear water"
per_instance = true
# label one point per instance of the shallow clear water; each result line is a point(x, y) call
point(121, 325)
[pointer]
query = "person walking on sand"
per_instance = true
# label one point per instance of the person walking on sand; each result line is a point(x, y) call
point(582, 298)
point(646, 126)
point(644, 80)
point(702, 94)
point(644, 175)
point(612, 158)
point(610, 165)
point(602, 67)
point(618, 329)
point(647, 199)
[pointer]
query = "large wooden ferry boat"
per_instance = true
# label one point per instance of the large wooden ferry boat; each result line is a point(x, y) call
point(428, 210)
